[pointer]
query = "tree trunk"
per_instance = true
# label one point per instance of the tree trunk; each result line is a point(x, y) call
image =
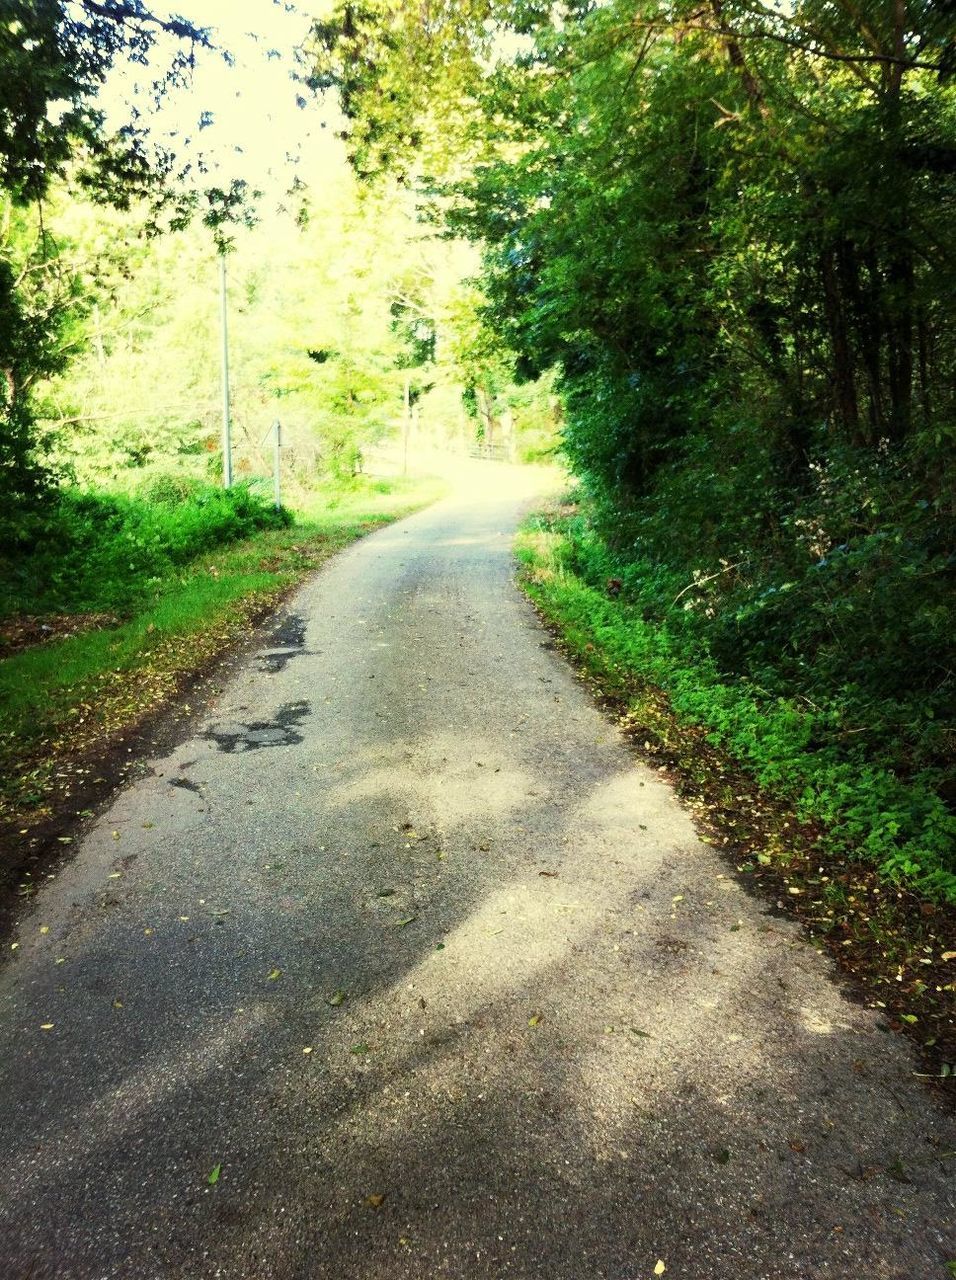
point(844, 384)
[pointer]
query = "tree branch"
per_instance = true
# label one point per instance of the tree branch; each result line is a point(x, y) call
point(123, 11)
point(833, 55)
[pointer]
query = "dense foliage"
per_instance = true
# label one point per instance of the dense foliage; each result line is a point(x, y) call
point(731, 230)
point(97, 551)
point(54, 56)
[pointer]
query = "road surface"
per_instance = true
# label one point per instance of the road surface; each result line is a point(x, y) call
point(401, 968)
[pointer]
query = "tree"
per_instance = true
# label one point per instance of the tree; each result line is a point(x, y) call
point(54, 55)
point(685, 207)
point(730, 229)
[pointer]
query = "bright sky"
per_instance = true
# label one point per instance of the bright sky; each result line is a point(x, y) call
point(256, 122)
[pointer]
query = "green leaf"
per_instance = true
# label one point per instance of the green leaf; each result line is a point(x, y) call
point(214, 1174)
point(402, 924)
point(336, 998)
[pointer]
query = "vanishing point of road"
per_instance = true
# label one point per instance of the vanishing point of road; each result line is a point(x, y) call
point(402, 968)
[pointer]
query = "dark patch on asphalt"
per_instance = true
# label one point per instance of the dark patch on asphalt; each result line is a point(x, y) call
point(280, 732)
point(288, 640)
point(289, 633)
point(107, 769)
point(277, 660)
point(185, 784)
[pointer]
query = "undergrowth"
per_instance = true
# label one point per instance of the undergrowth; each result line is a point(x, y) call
point(88, 550)
point(801, 740)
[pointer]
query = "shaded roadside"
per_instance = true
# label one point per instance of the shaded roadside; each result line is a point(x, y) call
point(896, 951)
point(68, 743)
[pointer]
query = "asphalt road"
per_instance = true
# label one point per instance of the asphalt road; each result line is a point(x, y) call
point(406, 947)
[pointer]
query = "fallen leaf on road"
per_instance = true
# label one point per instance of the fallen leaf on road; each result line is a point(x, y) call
point(636, 1031)
point(336, 998)
point(385, 893)
point(46, 1026)
point(307, 1049)
point(214, 1174)
point(722, 1157)
point(276, 973)
point(547, 873)
point(660, 1268)
point(949, 955)
point(375, 1201)
point(535, 1019)
point(44, 928)
point(116, 835)
point(359, 1049)
point(407, 921)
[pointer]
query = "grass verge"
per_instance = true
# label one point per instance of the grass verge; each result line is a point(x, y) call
point(896, 946)
point(67, 707)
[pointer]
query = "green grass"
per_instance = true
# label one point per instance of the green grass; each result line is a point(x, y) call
point(897, 824)
point(61, 699)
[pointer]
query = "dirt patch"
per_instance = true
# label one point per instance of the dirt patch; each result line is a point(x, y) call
point(26, 631)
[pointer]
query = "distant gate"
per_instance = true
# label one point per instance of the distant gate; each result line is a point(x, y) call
point(490, 452)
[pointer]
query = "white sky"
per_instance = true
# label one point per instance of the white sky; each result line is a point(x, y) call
point(256, 122)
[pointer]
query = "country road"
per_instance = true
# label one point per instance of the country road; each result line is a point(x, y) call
point(405, 947)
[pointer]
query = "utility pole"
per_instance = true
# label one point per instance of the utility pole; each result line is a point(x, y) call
point(226, 419)
point(277, 462)
point(406, 425)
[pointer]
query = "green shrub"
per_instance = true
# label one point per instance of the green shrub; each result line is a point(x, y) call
point(851, 722)
point(101, 551)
